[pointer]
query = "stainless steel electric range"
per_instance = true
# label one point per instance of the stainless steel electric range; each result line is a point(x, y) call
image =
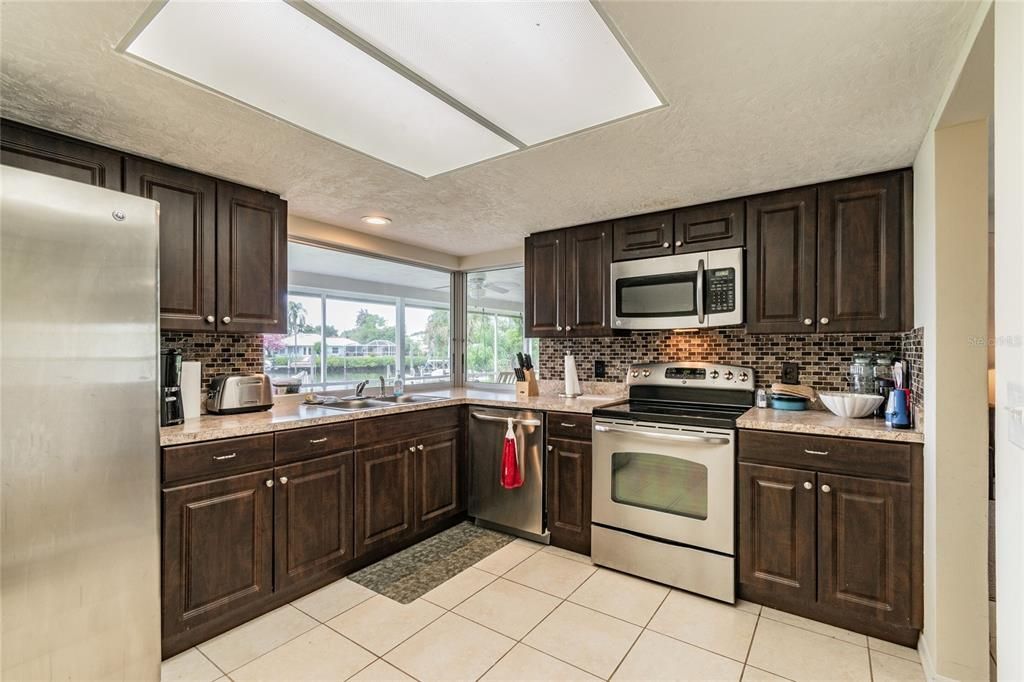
point(664, 475)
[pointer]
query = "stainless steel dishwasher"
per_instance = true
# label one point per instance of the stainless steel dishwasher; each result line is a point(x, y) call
point(519, 511)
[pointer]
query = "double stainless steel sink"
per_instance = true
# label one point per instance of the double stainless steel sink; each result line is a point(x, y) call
point(362, 403)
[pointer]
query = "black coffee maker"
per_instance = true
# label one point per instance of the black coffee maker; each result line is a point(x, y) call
point(171, 410)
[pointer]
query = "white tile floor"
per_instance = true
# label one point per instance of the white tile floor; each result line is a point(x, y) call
point(529, 612)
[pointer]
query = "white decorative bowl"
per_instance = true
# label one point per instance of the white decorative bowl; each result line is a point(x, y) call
point(852, 405)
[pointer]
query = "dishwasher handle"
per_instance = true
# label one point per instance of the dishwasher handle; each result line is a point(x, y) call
point(504, 420)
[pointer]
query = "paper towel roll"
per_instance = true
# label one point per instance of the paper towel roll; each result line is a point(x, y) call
point(572, 381)
point(191, 392)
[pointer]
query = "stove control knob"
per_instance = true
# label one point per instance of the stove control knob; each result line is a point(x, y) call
point(647, 373)
point(744, 376)
point(635, 373)
point(714, 374)
point(728, 375)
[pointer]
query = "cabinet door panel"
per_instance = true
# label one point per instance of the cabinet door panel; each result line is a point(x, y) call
point(776, 543)
point(642, 236)
point(217, 548)
point(711, 226)
point(545, 279)
point(312, 517)
point(438, 478)
point(252, 260)
point(384, 501)
point(859, 235)
point(864, 545)
point(188, 234)
point(588, 260)
point(63, 157)
point(569, 496)
point(781, 262)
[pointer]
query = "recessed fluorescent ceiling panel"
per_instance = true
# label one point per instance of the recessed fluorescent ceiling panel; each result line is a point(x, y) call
point(539, 70)
point(272, 57)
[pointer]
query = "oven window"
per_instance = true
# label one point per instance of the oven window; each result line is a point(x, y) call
point(661, 483)
point(657, 296)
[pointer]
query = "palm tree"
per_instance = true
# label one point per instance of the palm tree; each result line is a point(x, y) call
point(296, 320)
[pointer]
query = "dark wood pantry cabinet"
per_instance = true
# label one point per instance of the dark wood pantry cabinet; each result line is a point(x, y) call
point(830, 528)
point(568, 282)
point(569, 476)
point(223, 247)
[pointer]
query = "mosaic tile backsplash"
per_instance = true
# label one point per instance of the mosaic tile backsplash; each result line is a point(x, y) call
point(823, 358)
point(219, 353)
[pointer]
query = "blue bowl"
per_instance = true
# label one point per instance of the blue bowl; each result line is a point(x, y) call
point(782, 402)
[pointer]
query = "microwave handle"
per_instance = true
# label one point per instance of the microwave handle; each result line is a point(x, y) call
point(700, 291)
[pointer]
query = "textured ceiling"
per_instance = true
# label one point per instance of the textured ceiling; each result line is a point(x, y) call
point(761, 96)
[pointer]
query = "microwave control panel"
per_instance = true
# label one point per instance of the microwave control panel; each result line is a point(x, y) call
point(721, 294)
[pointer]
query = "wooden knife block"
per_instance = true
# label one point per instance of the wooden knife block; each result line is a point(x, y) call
point(528, 387)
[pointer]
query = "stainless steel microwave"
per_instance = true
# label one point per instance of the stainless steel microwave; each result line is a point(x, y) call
point(687, 291)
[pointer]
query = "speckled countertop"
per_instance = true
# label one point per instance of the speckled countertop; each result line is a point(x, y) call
point(289, 412)
point(822, 423)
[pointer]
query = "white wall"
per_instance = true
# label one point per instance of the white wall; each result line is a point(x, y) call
point(1009, 219)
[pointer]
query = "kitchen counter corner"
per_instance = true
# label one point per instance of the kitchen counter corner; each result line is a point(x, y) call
point(822, 423)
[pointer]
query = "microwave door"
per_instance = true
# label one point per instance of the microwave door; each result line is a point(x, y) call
point(657, 293)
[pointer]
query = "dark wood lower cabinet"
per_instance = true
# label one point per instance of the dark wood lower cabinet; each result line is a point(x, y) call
point(384, 494)
point(776, 529)
point(313, 510)
point(864, 545)
point(569, 474)
point(439, 493)
point(218, 548)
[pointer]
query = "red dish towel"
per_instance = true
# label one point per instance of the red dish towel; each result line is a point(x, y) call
point(511, 474)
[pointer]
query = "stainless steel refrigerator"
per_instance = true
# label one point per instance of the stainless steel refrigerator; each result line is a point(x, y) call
point(79, 457)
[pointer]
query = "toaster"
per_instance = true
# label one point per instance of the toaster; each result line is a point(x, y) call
point(236, 393)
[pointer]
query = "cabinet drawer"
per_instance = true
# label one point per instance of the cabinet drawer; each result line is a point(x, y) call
point(401, 426)
point(569, 425)
point(217, 458)
point(313, 442)
point(837, 455)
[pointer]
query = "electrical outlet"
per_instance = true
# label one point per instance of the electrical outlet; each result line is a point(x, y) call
point(790, 373)
point(599, 369)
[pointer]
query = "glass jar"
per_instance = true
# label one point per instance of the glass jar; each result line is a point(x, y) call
point(862, 373)
point(883, 366)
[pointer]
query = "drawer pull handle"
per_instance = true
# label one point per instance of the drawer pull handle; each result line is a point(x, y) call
point(314, 441)
point(817, 452)
point(231, 456)
point(568, 426)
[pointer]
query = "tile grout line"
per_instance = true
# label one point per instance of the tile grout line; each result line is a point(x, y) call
point(275, 648)
point(222, 672)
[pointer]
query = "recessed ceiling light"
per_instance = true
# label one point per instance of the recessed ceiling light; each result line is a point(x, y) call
point(376, 220)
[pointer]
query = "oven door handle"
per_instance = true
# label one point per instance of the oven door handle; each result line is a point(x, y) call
point(664, 436)
point(700, 291)
point(504, 420)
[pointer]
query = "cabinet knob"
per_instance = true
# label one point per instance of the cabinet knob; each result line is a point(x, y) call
point(568, 328)
point(284, 479)
point(665, 245)
point(419, 447)
point(412, 448)
point(808, 321)
point(808, 485)
point(824, 320)
point(550, 448)
point(226, 319)
point(210, 319)
point(679, 243)
point(558, 327)
point(826, 488)
point(270, 483)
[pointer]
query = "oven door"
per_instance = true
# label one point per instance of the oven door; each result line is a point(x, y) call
point(659, 293)
point(665, 481)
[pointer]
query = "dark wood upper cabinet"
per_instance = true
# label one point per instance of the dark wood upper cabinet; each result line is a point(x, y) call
point(588, 259)
point(544, 274)
point(864, 547)
point(710, 226)
point(385, 511)
point(252, 260)
point(188, 241)
point(438, 476)
point(217, 548)
point(859, 263)
point(643, 236)
point(781, 284)
point(313, 517)
point(64, 157)
point(776, 532)
point(569, 495)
